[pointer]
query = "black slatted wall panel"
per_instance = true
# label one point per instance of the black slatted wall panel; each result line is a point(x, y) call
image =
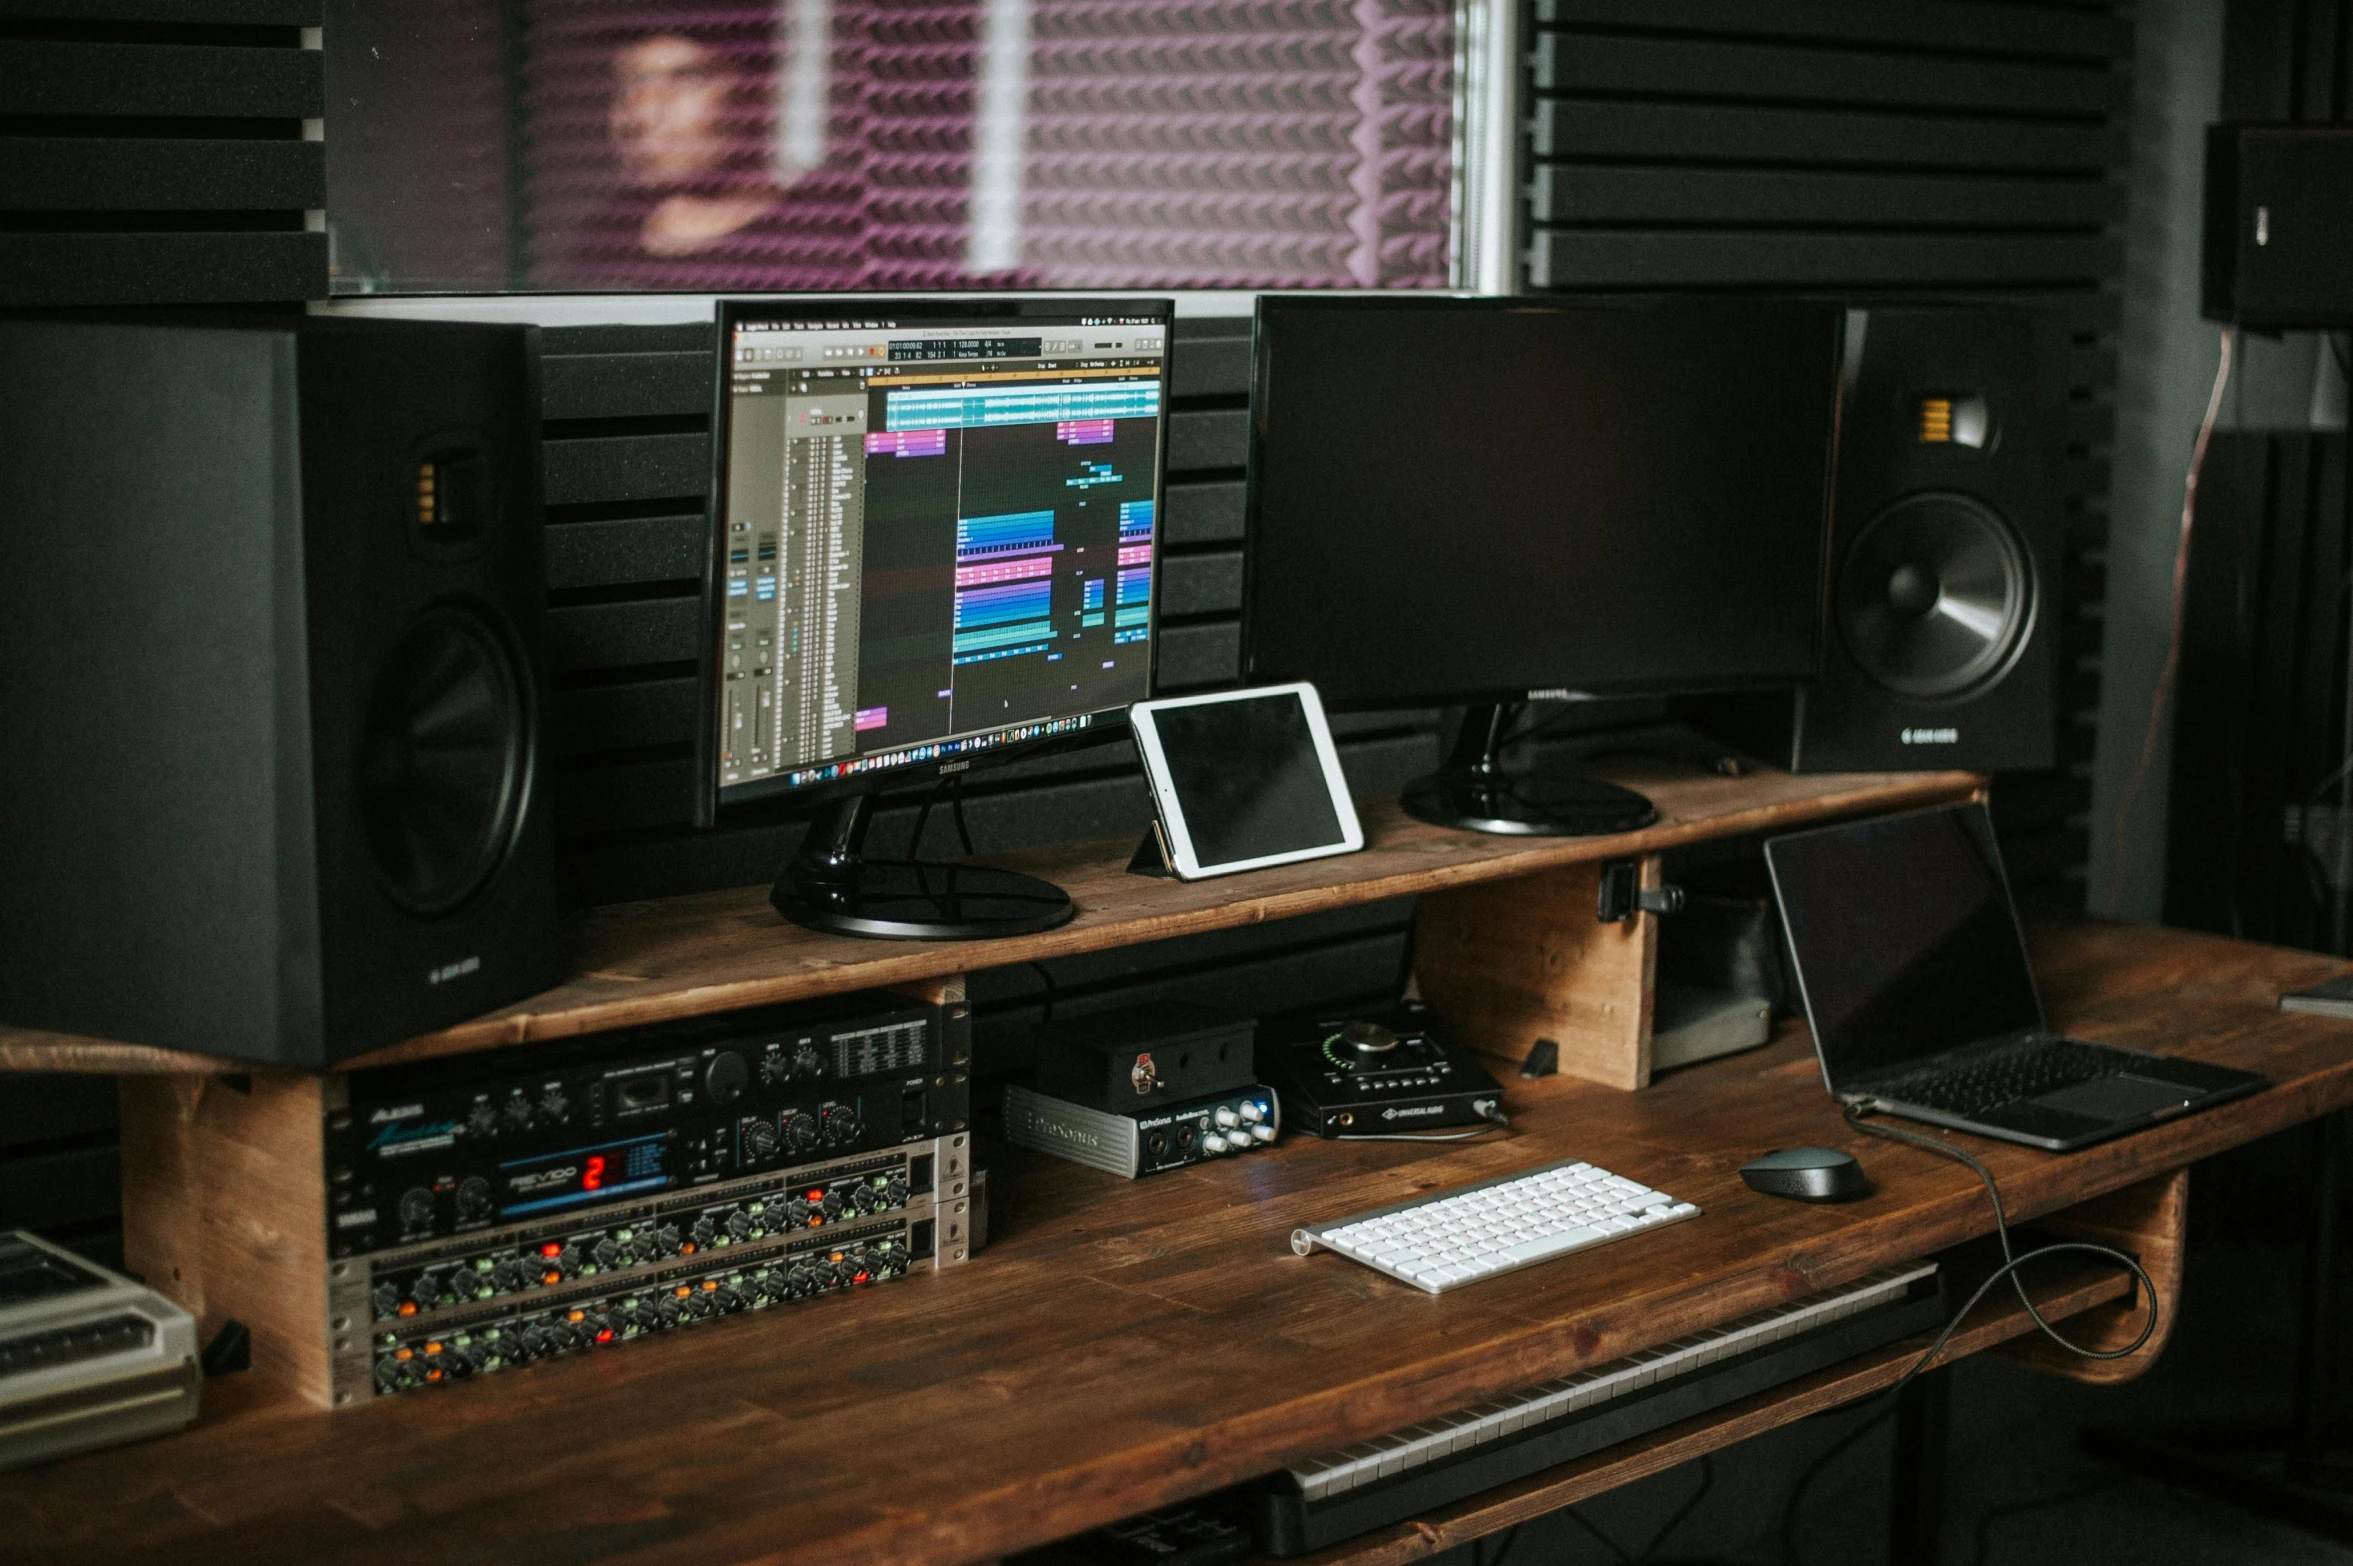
point(1930, 149)
point(628, 464)
point(2259, 723)
point(153, 152)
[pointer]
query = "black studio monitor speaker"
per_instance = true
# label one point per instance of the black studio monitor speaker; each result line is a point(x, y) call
point(1940, 641)
point(272, 769)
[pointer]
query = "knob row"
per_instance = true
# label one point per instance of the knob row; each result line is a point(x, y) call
point(587, 1253)
point(406, 1362)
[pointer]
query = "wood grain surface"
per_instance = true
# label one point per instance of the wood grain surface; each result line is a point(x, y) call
point(1124, 1345)
point(225, 1211)
point(688, 956)
point(1510, 962)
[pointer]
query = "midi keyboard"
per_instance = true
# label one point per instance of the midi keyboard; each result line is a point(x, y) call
point(1415, 1470)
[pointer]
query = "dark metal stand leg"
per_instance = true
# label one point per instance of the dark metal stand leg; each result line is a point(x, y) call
point(2316, 1342)
point(1923, 1419)
point(2290, 1473)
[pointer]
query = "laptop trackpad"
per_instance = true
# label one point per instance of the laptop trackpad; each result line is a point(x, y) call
point(2118, 1098)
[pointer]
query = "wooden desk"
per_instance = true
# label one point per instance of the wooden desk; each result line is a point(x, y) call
point(1124, 1345)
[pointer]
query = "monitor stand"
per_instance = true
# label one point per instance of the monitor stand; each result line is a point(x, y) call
point(831, 885)
point(1473, 791)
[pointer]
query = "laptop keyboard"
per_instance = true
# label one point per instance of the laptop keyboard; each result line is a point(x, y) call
point(2030, 1072)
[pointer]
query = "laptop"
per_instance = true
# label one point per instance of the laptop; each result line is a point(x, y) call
point(1913, 968)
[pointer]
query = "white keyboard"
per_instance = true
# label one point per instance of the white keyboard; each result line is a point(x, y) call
point(1476, 1231)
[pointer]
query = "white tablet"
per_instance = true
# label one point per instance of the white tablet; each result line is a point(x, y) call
point(1245, 779)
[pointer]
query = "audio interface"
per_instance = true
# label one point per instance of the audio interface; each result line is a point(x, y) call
point(1144, 1141)
point(447, 1148)
point(445, 1311)
point(1376, 1076)
point(1145, 1057)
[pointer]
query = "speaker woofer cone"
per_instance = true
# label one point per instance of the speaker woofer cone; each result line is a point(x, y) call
point(443, 760)
point(1936, 596)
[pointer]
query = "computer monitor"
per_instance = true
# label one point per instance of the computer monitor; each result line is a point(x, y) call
point(1489, 501)
point(937, 546)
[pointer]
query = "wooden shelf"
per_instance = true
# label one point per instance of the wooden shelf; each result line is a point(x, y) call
point(648, 962)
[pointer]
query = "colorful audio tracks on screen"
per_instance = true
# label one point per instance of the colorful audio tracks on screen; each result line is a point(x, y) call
point(970, 407)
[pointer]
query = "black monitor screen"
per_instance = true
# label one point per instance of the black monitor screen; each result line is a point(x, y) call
point(1905, 939)
point(939, 534)
point(1479, 500)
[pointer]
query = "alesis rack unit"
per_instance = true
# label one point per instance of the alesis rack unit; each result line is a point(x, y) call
point(419, 1224)
point(453, 1147)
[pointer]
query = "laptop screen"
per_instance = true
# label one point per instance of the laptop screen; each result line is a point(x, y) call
point(1905, 939)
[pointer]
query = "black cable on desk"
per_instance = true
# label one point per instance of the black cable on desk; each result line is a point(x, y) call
point(2011, 1260)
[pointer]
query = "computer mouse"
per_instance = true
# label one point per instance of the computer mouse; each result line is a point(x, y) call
point(1808, 1174)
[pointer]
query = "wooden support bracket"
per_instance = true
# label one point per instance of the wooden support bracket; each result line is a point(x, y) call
point(2148, 1222)
point(1510, 962)
point(225, 1209)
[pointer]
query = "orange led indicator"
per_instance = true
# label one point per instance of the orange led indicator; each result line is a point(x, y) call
point(434, 1374)
point(709, 1284)
point(551, 1277)
point(404, 1353)
point(408, 1307)
point(575, 1315)
point(682, 1291)
point(432, 1348)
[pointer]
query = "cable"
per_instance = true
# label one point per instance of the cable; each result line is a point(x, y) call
point(2011, 1263)
point(1813, 1471)
point(2181, 572)
point(956, 804)
point(1479, 1556)
point(1053, 991)
point(931, 797)
point(1617, 1552)
point(1707, 1482)
point(2011, 1260)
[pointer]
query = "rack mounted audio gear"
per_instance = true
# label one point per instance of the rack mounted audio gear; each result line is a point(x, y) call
point(446, 1311)
point(394, 1209)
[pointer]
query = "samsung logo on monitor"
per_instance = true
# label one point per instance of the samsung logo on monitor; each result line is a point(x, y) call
point(1932, 736)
